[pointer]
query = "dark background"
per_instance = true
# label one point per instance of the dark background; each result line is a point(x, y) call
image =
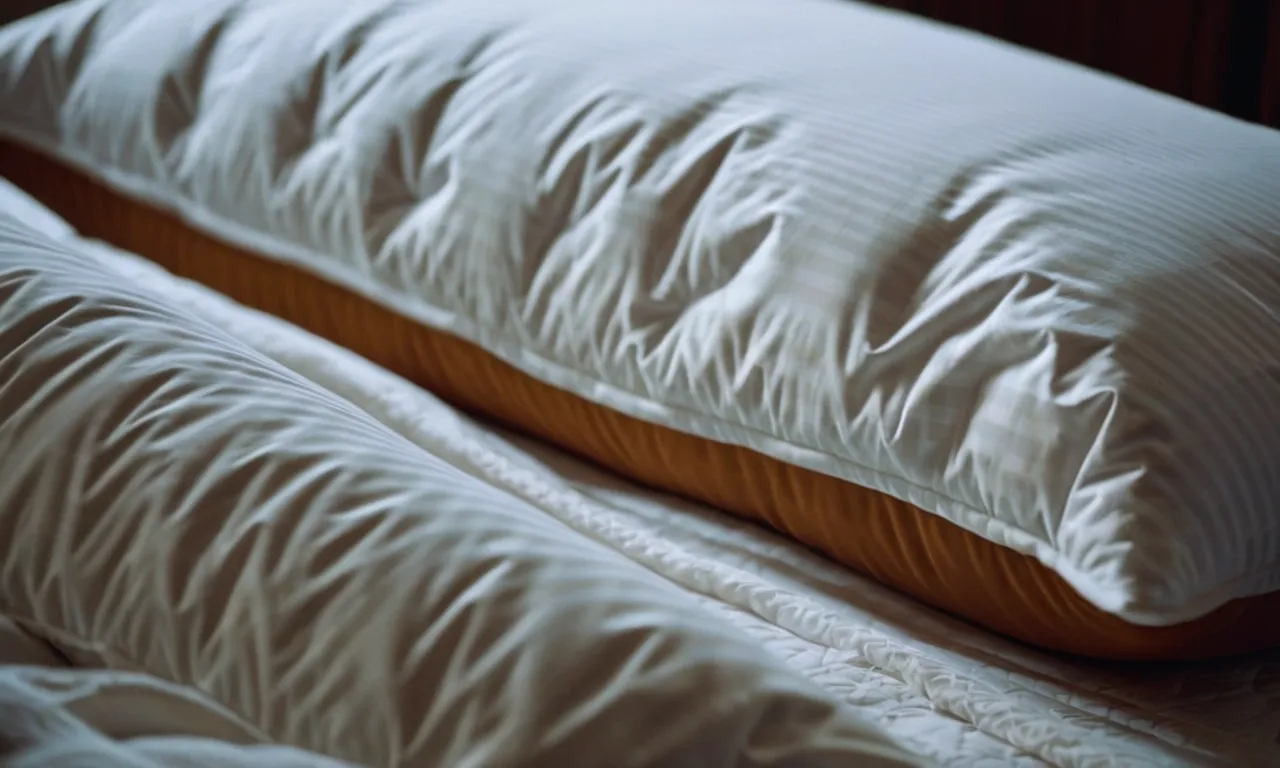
point(1224, 54)
point(13, 9)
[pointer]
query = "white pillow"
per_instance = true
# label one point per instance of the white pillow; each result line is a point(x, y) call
point(1034, 301)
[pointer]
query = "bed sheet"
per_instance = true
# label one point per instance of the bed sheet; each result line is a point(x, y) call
point(59, 716)
point(53, 714)
point(949, 691)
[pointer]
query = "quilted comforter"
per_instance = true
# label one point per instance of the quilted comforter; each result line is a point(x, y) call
point(177, 507)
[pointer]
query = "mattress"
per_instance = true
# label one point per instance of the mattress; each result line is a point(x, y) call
point(993, 329)
point(947, 691)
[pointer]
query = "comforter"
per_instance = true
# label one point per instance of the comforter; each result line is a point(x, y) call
point(175, 506)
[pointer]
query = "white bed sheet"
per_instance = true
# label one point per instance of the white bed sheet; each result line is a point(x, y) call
point(951, 692)
point(54, 716)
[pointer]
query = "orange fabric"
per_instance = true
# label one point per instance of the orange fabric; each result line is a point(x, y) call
point(903, 546)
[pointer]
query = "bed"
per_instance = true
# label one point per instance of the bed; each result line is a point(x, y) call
point(246, 559)
point(316, 234)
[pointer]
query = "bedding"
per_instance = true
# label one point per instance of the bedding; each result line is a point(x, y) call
point(947, 691)
point(176, 505)
point(991, 328)
point(63, 717)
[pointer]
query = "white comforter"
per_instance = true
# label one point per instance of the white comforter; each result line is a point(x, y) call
point(210, 530)
point(55, 716)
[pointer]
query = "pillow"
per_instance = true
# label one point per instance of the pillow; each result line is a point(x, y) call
point(175, 505)
point(997, 330)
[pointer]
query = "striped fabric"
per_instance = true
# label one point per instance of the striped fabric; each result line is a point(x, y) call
point(1035, 301)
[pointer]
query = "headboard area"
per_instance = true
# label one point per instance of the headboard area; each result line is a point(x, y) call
point(1271, 71)
point(1223, 54)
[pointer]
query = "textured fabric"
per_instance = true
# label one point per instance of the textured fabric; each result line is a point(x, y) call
point(175, 504)
point(18, 646)
point(949, 691)
point(922, 554)
point(1036, 302)
point(62, 718)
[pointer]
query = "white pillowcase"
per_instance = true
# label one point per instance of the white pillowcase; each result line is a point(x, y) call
point(1034, 300)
